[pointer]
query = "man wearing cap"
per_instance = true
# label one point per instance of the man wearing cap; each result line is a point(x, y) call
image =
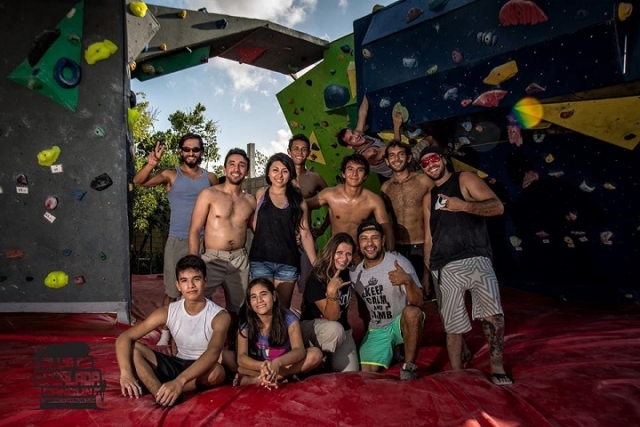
point(457, 243)
point(371, 148)
point(391, 290)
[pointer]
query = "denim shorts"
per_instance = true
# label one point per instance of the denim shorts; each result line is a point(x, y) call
point(273, 271)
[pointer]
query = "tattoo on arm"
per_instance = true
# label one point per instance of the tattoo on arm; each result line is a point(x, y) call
point(490, 207)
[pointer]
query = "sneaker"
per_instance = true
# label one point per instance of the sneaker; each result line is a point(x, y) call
point(409, 371)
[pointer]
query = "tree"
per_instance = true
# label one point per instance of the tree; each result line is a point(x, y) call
point(261, 162)
point(150, 205)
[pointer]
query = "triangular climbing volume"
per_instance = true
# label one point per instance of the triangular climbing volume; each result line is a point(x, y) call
point(53, 65)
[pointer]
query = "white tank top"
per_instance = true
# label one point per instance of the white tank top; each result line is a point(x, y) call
point(191, 333)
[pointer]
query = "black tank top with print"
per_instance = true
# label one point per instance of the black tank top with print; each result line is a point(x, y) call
point(455, 235)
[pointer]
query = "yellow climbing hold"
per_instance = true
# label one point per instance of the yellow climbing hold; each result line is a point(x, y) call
point(56, 279)
point(138, 8)
point(99, 51)
point(49, 156)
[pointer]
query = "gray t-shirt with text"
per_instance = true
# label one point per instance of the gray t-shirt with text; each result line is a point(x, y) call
point(384, 301)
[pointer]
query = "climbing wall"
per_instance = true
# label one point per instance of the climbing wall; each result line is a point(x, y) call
point(539, 98)
point(318, 105)
point(64, 158)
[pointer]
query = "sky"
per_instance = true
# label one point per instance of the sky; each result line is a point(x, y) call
point(239, 97)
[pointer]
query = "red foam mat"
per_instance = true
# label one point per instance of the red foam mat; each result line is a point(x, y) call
point(572, 365)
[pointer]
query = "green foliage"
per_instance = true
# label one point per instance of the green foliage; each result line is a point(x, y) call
point(261, 163)
point(150, 204)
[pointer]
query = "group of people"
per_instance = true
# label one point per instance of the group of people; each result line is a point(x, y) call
point(387, 250)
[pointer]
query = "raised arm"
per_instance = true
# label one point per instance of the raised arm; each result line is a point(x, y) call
point(397, 124)
point(170, 391)
point(198, 219)
point(124, 349)
point(145, 176)
point(363, 110)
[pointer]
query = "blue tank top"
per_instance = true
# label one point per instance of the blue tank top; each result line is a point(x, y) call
point(182, 198)
point(456, 235)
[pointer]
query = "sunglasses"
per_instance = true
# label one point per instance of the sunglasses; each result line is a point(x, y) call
point(189, 149)
point(434, 158)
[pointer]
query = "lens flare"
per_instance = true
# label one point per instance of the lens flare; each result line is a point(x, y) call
point(528, 112)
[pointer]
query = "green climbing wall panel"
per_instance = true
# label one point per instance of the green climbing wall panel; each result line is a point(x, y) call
point(40, 76)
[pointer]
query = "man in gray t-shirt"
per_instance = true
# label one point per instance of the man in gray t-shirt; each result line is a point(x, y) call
point(392, 292)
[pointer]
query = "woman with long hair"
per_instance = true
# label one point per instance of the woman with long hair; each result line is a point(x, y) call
point(281, 214)
point(269, 345)
point(326, 298)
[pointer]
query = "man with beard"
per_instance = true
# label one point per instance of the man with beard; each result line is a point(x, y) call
point(310, 184)
point(404, 197)
point(457, 244)
point(391, 290)
point(225, 211)
point(183, 184)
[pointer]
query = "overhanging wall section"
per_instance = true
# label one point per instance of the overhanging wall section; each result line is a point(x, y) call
point(86, 236)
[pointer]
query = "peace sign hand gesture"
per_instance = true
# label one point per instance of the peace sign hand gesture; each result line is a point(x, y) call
point(156, 155)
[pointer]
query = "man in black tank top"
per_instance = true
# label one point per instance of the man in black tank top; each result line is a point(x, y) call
point(460, 257)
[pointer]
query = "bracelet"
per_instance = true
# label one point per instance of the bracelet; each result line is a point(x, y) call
point(336, 298)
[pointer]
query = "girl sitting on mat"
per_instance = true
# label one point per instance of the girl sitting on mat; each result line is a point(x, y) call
point(269, 345)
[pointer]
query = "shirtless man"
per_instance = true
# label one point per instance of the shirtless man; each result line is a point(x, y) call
point(225, 211)
point(310, 184)
point(350, 203)
point(182, 185)
point(404, 196)
point(371, 148)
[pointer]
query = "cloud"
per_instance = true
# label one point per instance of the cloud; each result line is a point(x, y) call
point(171, 84)
point(243, 77)
point(342, 4)
point(285, 12)
point(218, 90)
point(279, 145)
point(245, 106)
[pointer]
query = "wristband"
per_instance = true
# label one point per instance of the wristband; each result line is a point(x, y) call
point(336, 298)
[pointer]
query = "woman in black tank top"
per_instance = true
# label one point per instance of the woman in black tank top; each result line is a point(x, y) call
point(280, 215)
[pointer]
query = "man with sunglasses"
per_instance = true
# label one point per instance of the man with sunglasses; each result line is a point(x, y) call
point(459, 251)
point(183, 184)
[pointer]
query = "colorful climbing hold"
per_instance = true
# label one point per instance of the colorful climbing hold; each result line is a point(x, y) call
point(102, 256)
point(138, 8)
point(49, 156)
point(66, 252)
point(51, 203)
point(99, 131)
point(101, 182)
point(56, 279)
point(14, 253)
point(79, 194)
point(99, 51)
point(79, 280)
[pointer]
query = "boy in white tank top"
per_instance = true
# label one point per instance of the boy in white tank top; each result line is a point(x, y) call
point(199, 328)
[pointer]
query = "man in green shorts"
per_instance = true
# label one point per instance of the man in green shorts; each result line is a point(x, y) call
point(393, 294)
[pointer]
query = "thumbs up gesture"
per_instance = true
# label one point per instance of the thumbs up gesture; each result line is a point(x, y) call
point(399, 277)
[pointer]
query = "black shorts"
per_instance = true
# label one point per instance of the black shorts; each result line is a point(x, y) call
point(169, 367)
